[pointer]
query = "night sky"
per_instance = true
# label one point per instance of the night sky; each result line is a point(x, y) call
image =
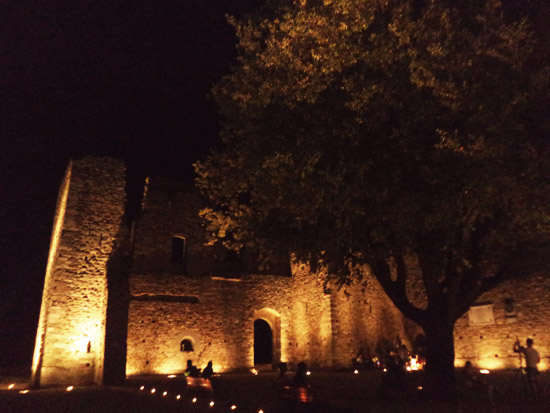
point(121, 78)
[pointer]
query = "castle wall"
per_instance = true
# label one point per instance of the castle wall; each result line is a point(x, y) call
point(216, 315)
point(217, 310)
point(489, 345)
point(204, 300)
point(71, 332)
point(171, 210)
point(365, 318)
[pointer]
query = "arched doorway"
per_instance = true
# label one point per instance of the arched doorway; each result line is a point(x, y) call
point(263, 342)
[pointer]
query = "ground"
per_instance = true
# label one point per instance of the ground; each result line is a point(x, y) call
point(333, 392)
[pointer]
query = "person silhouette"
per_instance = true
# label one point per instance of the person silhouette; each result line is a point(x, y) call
point(208, 371)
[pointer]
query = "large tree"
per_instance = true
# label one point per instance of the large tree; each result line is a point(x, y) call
point(401, 135)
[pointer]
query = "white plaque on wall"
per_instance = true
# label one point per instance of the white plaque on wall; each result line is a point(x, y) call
point(481, 315)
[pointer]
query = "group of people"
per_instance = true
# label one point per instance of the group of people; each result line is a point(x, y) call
point(284, 382)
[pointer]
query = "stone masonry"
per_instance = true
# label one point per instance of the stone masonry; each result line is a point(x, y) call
point(71, 333)
point(187, 298)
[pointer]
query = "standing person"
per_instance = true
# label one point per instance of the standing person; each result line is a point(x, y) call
point(532, 358)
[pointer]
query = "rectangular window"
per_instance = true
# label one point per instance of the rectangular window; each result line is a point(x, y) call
point(178, 249)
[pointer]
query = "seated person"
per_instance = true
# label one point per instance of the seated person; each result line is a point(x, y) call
point(191, 370)
point(283, 381)
point(470, 376)
point(300, 378)
point(208, 371)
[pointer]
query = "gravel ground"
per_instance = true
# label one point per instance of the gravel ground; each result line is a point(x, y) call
point(332, 391)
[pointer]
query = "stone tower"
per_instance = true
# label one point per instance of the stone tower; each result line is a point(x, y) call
point(70, 342)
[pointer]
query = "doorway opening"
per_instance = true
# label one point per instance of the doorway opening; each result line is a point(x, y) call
point(263, 342)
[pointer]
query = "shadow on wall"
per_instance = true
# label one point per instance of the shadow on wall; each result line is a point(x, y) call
point(116, 329)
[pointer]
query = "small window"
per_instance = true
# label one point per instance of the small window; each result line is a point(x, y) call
point(178, 249)
point(186, 345)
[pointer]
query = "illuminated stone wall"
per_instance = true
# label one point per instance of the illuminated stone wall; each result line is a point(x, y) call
point(71, 333)
point(216, 315)
point(490, 345)
point(198, 300)
point(364, 317)
point(204, 300)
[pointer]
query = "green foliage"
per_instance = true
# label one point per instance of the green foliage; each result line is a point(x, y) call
point(362, 132)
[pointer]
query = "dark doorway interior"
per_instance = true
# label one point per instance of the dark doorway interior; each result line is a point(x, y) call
point(263, 343)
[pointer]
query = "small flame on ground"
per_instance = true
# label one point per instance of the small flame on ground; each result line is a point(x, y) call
point(178, 397)
point(153, 390)
point(194, 400)
point(211, 403)
point(11, 386)
point(70, 388)
point(165, 393)
point(23, 391)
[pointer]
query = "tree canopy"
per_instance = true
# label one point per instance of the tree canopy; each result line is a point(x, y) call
point(360, 132)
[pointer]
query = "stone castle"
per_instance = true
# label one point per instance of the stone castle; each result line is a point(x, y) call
point(122, 300)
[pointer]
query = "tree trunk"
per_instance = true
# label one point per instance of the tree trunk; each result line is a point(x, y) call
point(440, 354)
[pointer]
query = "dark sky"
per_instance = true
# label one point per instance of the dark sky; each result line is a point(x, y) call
point(120, 78)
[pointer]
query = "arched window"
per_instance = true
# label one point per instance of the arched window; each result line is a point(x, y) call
point(186, 345)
